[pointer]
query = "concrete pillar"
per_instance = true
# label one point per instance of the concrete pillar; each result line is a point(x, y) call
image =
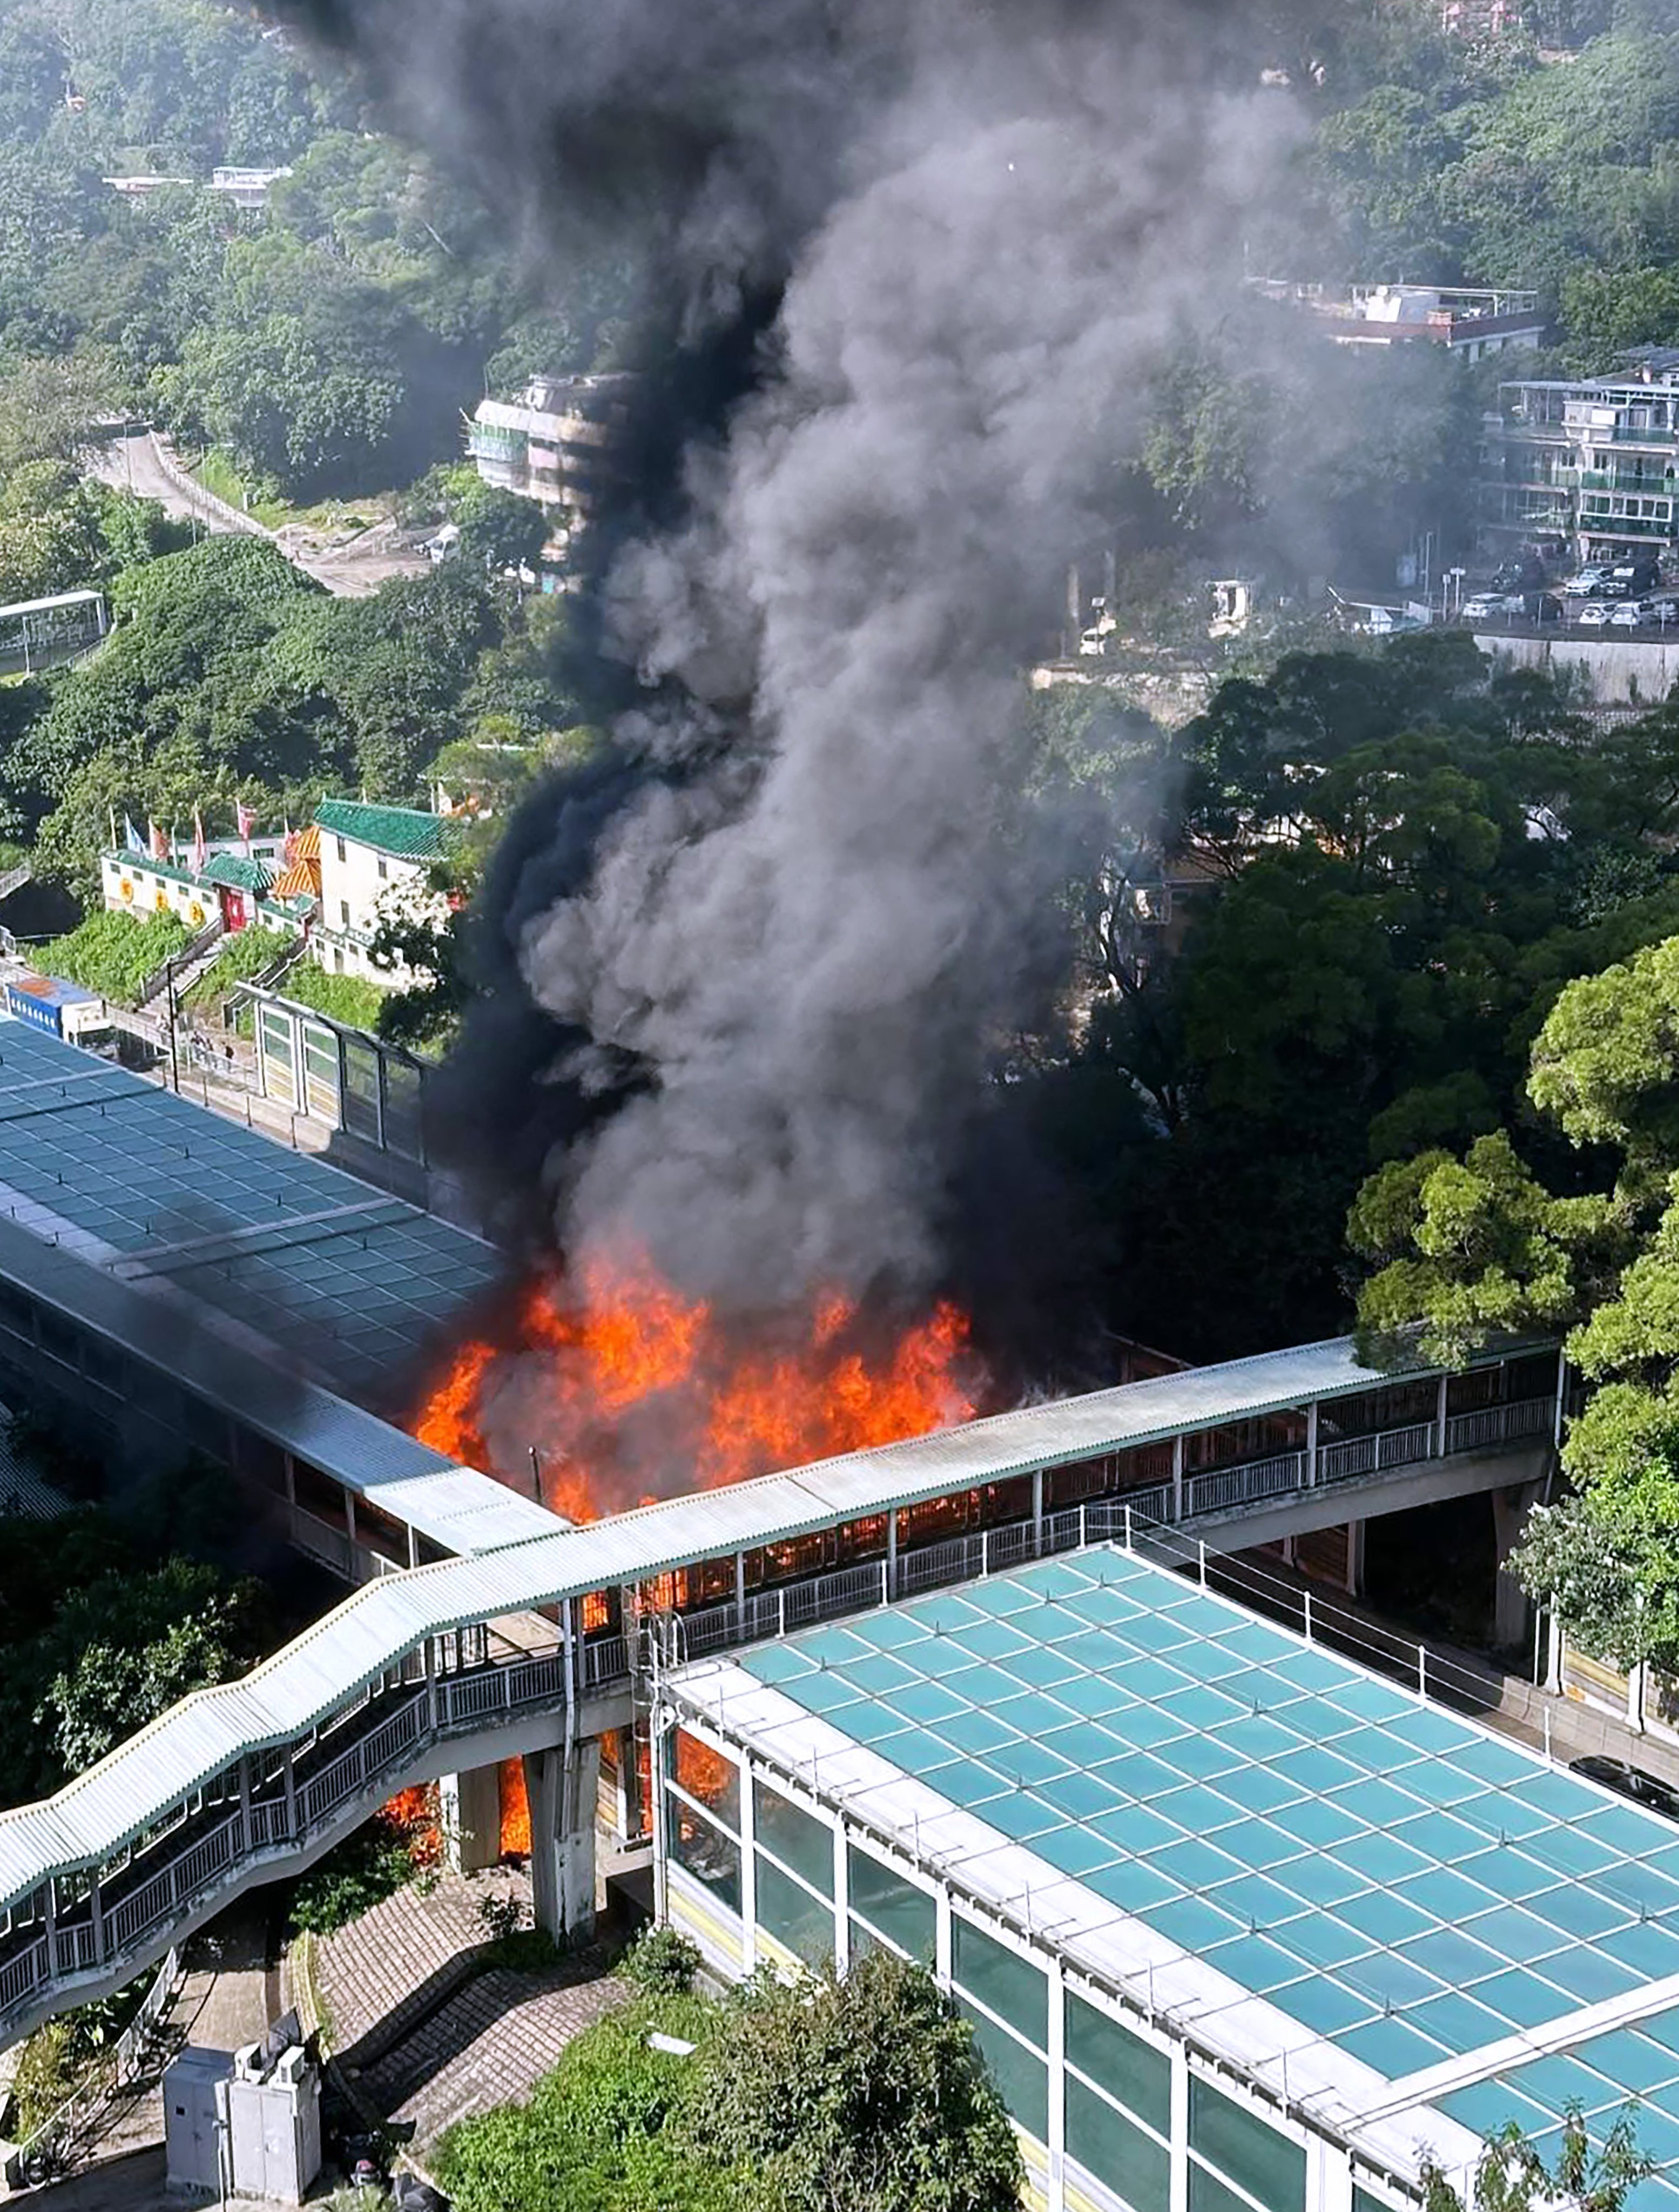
point(1510, 1615)
point(1354, 1557)
point(562, 1791)
point(470, 1815)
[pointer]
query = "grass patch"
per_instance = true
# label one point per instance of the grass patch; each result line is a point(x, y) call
point(115, 953)
point(349, 999)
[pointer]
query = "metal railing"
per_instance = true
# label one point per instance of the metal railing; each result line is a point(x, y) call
point(104, 1930)
point(57, 2135)
point(1126, 1518)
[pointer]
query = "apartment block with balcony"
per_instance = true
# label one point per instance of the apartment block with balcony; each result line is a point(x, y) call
point(1596, 462)
point(554, 444)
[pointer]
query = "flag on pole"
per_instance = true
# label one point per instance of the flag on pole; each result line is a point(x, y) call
point(246, 816)
point(159, 838)
point(132, 841)
point(199, 854)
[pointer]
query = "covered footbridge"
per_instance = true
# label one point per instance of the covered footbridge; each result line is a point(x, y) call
point(531, 1646)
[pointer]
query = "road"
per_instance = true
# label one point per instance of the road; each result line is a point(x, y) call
point(351, 567)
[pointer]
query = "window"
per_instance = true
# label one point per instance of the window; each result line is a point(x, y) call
point(710, 1777)
point(1132, 2072)
point(384, 869)
point(802, 1843)
point(703, 1849)
point(343, 912)
point(801, 1923)
point(892, 1908)
point(1120, 2154)
point(1264, 2166)
point(340, 842)
point(1006, 1984)
point(1022, 2077)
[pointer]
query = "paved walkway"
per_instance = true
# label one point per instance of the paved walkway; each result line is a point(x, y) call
point(423, 2030)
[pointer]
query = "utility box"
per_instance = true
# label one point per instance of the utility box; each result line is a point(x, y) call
point(273, 2121)
point(194, 2087)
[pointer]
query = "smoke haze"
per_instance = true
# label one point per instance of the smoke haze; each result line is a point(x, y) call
point(914, 264)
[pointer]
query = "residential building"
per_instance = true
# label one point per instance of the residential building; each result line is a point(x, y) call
point(365, 853)
point(1471, 320)
point(554, 443)
point(1593, 460)
point(245, 188)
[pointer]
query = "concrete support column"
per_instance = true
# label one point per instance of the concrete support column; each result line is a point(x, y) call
point(891, 1551)
point(562, 1788)
point(1510, 1605)
point(1354, 1557)
point(470, 1814)
point(1177, 1478)
point(1312, 1442)
point(1440, 1419)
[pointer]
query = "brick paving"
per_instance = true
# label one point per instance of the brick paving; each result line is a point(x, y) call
point(389, 1966)
point(490, 2045)
point(424, 2033)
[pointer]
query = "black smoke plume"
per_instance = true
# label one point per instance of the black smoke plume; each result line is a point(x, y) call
point(908, 264)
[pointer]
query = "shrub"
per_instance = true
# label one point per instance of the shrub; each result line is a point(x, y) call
point(115, 953)
point(349, 999)
point(356, 1875)
point(660, 1959)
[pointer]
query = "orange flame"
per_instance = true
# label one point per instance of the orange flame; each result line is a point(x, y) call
point(414, 1813)
point(618, 1387)
point(515, 1809)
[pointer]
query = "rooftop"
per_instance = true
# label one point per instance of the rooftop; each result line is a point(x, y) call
point(406, 832)
point(151, 1190)
point(1392, 1917)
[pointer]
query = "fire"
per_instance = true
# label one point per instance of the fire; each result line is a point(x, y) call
point(414, 1813)
point(615, 1386)
point(515, 1840)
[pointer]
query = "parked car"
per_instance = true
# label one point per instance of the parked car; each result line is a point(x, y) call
point(1648, 1790)
point(1631, 614)
point(1594, 615)
point(1583, 583)
point(1482, 606)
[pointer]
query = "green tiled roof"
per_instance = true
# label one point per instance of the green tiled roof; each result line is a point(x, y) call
point(405, 831)
point(239, 874)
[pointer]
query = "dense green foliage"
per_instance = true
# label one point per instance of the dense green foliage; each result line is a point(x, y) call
point(1440, 159)
point(328, 339)
point(230, 677)
point(1472, 1248)
point(115, 954)
point(864, 2094)
point(1368, 935)
point(1512, 2176)
point(351, 1000)
point(247, 954)
point(104, 1622)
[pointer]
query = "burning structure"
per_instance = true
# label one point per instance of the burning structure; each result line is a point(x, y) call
point(745, 974)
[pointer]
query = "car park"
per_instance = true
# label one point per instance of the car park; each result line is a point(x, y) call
point(1595, 614)
point(1644, 1789)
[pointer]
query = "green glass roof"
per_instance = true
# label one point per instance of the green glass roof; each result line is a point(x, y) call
point(1407, 1887)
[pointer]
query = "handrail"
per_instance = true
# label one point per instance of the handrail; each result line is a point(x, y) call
point(375, 1646)
point(91, 2096)
point(101, 1932)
